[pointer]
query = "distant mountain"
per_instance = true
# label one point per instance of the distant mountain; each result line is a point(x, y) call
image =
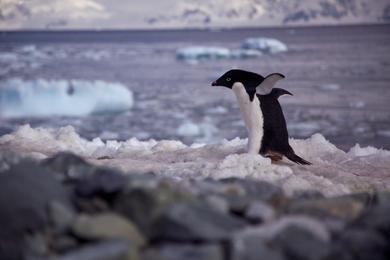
point(154, 14)
point(272, 12)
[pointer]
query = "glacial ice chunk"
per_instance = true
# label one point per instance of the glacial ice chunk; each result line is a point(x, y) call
point(40, 98)
point(265, 45)
point(195, 53)
point(202, 52)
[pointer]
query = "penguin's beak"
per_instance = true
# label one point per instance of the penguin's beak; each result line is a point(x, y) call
point(214, 83)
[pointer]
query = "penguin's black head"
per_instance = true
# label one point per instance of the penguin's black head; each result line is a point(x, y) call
point(249, 79)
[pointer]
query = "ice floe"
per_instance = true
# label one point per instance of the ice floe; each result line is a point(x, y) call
point(194, 53)
point(41, 97)
point(250, 48)
point(265, 45)
point(333, 171)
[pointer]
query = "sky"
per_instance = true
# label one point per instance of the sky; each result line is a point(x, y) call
point(131, 14)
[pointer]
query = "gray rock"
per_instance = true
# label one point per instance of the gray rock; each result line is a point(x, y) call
point(61, 216)
point(241, 192)
point(101, 182)
point(300, 244)
point(307, 194)
point(63, 243)
point(184, 252)
point(252, 248)
point(217, 202)
point(30, 188)
point(269, 231)
point(105, 250)
point(341, 208)
point(259, 190)
point(194, 222)
point(377, 218)
point(143, 205)
point(258, 212)
point(68, 166)
point(35, 246)
point(364, 244)
point(105, 226)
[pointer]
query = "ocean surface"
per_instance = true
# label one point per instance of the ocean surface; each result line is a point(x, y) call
point(340, 78)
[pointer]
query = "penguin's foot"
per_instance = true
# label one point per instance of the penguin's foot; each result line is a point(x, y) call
point(274, 156)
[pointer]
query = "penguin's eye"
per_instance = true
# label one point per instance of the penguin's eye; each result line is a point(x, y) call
point(228, 79)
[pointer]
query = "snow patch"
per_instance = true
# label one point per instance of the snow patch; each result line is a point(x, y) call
point(358, 151)
point(40, 97)
point(333, 172)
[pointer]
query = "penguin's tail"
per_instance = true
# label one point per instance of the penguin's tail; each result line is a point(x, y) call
point(295, 158)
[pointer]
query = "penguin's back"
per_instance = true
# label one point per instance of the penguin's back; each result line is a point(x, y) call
point(275, 128)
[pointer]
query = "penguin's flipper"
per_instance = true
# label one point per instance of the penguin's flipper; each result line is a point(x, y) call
point(268, 83)
point(295, 158)
point(277, 92)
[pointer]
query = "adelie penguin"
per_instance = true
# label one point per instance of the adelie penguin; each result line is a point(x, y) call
point(262, 113)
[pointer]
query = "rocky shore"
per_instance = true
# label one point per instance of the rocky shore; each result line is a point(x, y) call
point(68, 209)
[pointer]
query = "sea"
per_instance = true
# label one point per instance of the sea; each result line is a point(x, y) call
point(339, 75)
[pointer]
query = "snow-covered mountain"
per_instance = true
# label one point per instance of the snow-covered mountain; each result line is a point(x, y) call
point(153, 14)
point(273, 12)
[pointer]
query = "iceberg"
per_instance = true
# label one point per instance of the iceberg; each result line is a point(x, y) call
point(250, 48)
point(202, 52)
point(265, 45)
point(334, 172)
point(195, 53)
point(41, 98)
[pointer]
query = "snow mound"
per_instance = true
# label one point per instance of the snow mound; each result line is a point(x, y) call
point(333, 172)
point(20, 98)
point(195, 53)
point(265, 45)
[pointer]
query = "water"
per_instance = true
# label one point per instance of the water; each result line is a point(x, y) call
point(340, 78)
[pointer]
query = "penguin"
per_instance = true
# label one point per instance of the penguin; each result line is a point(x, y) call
point(262, 113)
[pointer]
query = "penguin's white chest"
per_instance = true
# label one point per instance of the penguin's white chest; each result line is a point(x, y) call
point(253, 117)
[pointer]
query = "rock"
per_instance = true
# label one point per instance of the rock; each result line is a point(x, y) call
point(376, 217)
point(63, 243)
point(61, 216)
point(272, 229)
point(217, 202)
point(194, 222)
point(253, 249)
point(184, 252)
point(363, 244)
point(92, 205)
point(35, 246)
point(300, 244)
point(68, 166)
point(102, 182)
point(258, 212)
point(30, 187)
point(239, 193)
point(104, 250)
point(259, 190)
point(143, 205)
point(105, 226)
point(341, 208)
point(307, 194)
